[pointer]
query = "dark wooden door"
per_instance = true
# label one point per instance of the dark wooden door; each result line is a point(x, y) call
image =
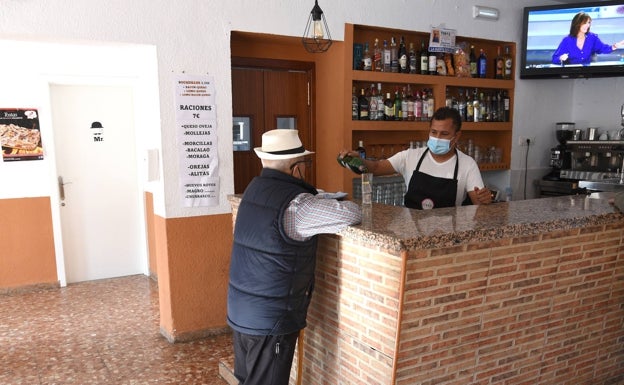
point(272, 97)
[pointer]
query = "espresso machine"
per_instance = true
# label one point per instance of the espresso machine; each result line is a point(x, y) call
point(560, 158)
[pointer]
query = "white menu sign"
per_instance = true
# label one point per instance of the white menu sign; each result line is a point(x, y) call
point(196, 122)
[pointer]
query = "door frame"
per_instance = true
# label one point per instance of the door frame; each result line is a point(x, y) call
point(288, 65)
point(134, 85)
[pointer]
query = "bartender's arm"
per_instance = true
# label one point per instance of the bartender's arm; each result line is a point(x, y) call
point(480, 196)
point(377, 167)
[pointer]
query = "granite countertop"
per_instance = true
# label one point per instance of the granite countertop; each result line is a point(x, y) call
point(399, 228)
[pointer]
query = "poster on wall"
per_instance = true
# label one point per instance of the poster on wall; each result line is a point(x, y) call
point(196, 123)
point(20, 136)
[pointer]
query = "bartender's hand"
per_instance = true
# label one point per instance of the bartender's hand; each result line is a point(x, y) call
point(483, 195)
point(563, 57)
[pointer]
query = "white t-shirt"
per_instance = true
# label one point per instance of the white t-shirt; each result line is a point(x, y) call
point(468, 174)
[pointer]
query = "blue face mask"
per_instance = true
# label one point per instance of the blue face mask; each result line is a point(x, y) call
point(439, 146)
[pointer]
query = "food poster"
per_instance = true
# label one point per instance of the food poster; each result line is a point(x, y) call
point(19, 134)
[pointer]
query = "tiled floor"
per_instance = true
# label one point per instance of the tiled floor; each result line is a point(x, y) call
point(99, 332)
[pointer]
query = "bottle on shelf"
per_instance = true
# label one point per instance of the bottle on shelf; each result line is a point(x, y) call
point(506, 103)
point(424, 59)
point(432, 63)
point(448, 100)
point(380, 103)
point(430, 104)
point(476, 106)
point(469, 107)
point(404, 105)
point(367, 60)
point(361, 150)
point(410, 104)
point(372, 103)
point(413, 60)
point(473, 63)
point(461, 104)
point(418, 107)
point(388, 107)
point(482, 66)
point(403, 58)
point(354, 106)
point(484, 108)
point(377, 64)
point(397, 105)
point(362, 106)
point(508, 60)
point(499, 64)
point(386, 57)
point(394, 56)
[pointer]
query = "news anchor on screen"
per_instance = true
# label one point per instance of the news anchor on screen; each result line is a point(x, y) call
point(580, 45)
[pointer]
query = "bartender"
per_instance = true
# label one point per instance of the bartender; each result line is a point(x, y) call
point(438, 175)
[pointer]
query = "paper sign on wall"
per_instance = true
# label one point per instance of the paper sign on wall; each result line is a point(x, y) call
point(196, 123)
point(20, 135)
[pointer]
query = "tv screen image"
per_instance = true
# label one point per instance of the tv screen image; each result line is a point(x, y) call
point(548, 50)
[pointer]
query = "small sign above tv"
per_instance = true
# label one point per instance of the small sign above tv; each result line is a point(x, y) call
point(580, 40)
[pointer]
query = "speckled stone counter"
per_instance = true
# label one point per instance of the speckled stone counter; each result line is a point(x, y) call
point(398, 228)
point(524, 292)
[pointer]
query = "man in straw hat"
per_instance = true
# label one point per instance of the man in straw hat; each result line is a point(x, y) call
point(273, 259)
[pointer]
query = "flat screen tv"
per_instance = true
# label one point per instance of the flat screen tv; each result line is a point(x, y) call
point(546, 38)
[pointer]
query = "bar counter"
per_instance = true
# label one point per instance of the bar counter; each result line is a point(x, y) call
point(522, 292)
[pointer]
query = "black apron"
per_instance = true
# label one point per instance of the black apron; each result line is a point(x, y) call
point(428, 192)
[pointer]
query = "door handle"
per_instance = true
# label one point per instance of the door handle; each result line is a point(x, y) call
point(61, 188)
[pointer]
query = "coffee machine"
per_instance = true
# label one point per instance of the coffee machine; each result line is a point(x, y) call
point(560, 158)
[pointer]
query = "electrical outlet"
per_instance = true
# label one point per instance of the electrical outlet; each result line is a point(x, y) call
point(522, 140)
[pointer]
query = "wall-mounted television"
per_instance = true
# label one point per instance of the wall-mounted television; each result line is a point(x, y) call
point(546, 38)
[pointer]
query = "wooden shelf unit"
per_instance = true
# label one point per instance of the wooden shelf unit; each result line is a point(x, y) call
point(389, 137)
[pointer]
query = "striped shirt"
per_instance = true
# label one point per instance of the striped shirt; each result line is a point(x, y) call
point(308, 215)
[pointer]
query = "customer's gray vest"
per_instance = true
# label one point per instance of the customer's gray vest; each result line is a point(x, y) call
point(271, 275)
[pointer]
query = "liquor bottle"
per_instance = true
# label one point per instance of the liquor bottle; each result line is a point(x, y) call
point(476, 106)
point(448, 100)
point(473, 63)
point(389, 107)
point(394, 56)
point(508, 63)
point(361, 150)
point(483, 104)
point(380, 102)
point(418, 106)
point(506, 103)
point(354, 105)
point(469, 107)
point(397, 105)
point(461, 105)
point(482, 66)
point(499, 64)
point(403, 59)
point(387, 57)
point(354, 163)
point(430, 104)
point(362, 106)
point(367, 61)
point(377, 63)
point(424, 59)
point(404, 105)
point(432, 64)
point(410, 104)
point(372, 103)
point(414, 68)
point(494, 107)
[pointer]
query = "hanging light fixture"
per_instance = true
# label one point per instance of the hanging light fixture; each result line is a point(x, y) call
point(316, 38)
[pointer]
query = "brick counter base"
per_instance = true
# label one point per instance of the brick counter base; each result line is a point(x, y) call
point(545, 309)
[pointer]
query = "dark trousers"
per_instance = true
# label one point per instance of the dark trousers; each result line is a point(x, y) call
point(263, 360)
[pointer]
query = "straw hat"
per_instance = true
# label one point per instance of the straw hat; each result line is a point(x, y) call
point(281, 144)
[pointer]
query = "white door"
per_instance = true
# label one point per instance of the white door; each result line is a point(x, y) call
point(97, 170)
